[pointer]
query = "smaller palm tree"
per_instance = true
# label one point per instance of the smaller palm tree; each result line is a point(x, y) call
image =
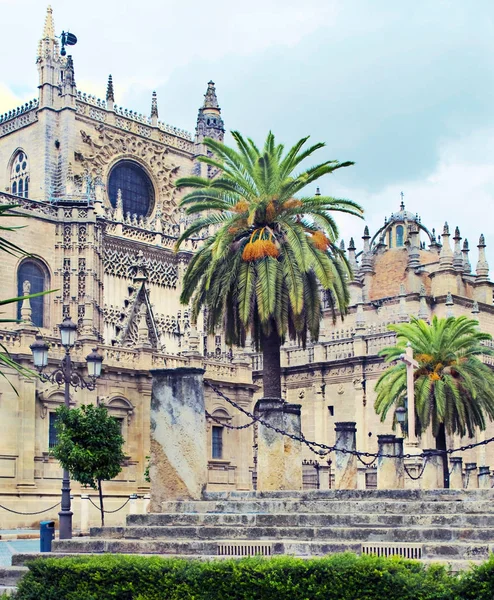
point(454, 389)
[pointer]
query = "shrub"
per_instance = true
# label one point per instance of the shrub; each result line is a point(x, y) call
point(337, 577)
point(477, 583)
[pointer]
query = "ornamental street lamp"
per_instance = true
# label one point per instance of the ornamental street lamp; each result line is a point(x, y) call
point(401, 413)
point(66, 374)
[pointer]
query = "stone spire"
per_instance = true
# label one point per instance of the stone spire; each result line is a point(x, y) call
point(352, 258)
point(49, 28)
point(110, 95)
point(434, 246)
point(457, 255)
point(467, 267)
point(154, 109)
point(366, 264)
point(482, 265)
point(446, 256)
point(49, 63)
point(209, 121)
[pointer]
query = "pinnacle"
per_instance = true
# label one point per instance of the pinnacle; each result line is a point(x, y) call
point(49, 28)
point(210, 98)
point(110, 97)
point(154, 105)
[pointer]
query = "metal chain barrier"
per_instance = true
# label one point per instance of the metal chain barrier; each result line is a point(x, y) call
point(421, 472)
point(227, 425)
point(369, 464)
point(328, 449)
point(109, 512)
point(39, 512)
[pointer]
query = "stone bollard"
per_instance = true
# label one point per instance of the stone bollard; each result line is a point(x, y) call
point(292, 449)
point(345, 464)
point(399, 463)
point(484, 478)
point(456, 474)
point(432, 477)
point(390, 472)
point(270, 445)
point(279, 464)
point(84, 513)
point(471, 478)
point(178, 465)
point(133, 504)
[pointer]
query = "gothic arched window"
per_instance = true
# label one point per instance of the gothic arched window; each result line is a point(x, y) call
point(19, 175)
point(135, 186)
point(399, 236)
point(33, 272)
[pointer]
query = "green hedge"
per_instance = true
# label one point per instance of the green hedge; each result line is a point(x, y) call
point(337, 577)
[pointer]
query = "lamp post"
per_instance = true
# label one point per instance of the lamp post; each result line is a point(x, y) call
point(66, 374)
point(400, 414)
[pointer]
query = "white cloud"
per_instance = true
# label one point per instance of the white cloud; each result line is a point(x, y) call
point(459, 190)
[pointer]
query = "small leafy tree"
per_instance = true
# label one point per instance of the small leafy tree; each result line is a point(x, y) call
point(89, 446)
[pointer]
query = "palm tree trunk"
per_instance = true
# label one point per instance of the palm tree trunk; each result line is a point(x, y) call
point(271, 370)
point(441, 445)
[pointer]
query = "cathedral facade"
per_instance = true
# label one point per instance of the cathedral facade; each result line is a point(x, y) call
point(95, 183)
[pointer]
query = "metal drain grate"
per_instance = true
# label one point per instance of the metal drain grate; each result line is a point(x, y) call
point(387, 549)
point(244, 549)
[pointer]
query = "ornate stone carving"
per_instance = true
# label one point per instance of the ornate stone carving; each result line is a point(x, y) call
point(110, 144)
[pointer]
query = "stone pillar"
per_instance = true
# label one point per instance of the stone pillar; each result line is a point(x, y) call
point(386, 472)
point(292, 448)
point(484, 478)
point(84, 513)
point(178, 465)
point(399, 463)
point(345, 464)
point(456, 475)
point(133, 504)
point(324, 473)
point(432, 477)
point(270, 445)
point(472, 481)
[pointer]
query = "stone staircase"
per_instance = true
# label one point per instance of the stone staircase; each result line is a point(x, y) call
point(452, 526)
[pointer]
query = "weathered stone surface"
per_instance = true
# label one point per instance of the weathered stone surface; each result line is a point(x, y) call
point(456, 473)
point(345, 463)
point(432, 477)
point(390, 471)
point(178, 467)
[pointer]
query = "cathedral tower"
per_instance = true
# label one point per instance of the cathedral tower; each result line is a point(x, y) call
point(209, 124)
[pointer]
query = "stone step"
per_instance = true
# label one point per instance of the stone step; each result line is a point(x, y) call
point(334, 494)
point(437, 551)
point(10, 576)
point(310, 520)
point(253, 533)
point(331, 506)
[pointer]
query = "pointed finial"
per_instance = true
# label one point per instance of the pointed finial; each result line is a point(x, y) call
point(351, 245)
point(318, 191)
point(49, 28)
point(366, 232)
point(402, 204)
point(446, 229)
point(210, 99)
point(457, 233)
point(154, 105)
point(110, 97)
point(342, 245)
point(481, 241)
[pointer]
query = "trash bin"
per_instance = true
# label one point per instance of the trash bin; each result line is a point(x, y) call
point(46, 535)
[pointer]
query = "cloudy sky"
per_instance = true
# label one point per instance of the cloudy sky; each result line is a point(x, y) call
point(405, 89)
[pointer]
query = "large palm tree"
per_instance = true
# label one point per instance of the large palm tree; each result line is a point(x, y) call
point(454, 389)
point(269, 254)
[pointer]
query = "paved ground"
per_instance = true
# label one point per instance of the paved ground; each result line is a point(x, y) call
point(7, 548)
